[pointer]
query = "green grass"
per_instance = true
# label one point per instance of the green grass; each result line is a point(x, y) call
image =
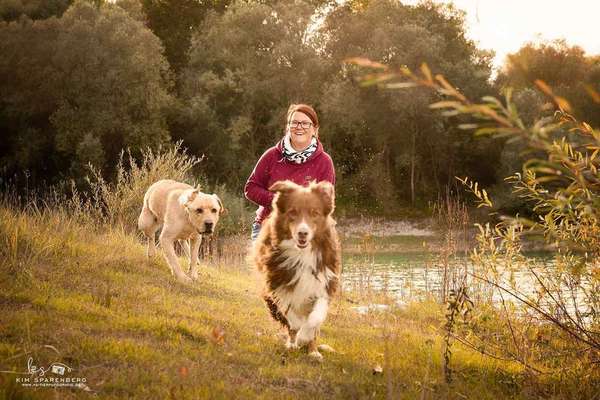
point(92, 301)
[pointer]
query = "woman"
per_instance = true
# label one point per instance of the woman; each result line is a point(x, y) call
point(298, 157)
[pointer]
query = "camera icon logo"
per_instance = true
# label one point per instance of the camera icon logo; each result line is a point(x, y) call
point(58, 370)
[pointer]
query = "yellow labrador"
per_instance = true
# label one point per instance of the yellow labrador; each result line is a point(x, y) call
point(184, 213)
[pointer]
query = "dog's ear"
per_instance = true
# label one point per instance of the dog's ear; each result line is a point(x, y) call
point(326, 192)
point(222, 210)
point(188, 196)
point(282, 188)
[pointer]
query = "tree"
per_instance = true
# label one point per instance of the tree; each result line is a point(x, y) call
point(249, 63)
point(80, 89)
point(175, 21)
point(415, 150)
point(94, 81)
point(11, 10)
point(246, 66)
point(567, 69)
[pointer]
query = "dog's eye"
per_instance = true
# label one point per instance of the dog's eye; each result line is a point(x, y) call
point(199, 211)
point(293, 213)
point(315, 212)
point(214, 210)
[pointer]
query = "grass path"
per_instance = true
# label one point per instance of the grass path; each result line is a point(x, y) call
point(93, 302)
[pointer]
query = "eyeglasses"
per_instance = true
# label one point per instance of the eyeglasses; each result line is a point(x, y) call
point(301, 124)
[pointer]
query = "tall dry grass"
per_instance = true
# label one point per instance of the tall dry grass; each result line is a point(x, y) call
point(451, 216)
point(119, 203)
point(115, 203)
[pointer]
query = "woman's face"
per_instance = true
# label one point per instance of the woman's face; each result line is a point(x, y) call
point(301, 130)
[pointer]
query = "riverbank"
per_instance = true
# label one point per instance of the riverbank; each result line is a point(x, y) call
point(357, 227)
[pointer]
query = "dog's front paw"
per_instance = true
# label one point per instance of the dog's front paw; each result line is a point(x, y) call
point(290, 345)
point(305, 335)
point(194, 275)
point(316, 355)
point(326, 348)
point(183, 278)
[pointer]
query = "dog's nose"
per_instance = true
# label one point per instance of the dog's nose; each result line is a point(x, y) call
point(208, 226)
point(302, 234)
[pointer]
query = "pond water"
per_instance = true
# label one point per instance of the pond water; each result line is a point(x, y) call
point(410, 276)
point(404, 276)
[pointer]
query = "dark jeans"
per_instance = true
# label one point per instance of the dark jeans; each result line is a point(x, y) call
point(255, 231)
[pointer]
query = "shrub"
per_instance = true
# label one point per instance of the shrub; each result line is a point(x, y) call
point(549, 322)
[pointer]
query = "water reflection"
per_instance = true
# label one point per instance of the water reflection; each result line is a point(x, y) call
point(414, 276)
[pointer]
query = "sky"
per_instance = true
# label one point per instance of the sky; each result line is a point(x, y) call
point(506, 25)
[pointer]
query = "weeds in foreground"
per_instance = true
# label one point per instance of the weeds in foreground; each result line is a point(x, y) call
point(549, 317)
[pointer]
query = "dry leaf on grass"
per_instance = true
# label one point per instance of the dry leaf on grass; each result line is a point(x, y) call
point(218, 335)
point(183, 371)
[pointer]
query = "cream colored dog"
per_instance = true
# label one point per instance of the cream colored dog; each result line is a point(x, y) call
point(184, 213)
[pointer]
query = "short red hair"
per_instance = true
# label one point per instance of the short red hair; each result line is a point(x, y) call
point(304, 109)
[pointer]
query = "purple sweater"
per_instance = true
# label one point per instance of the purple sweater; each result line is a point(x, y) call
point(273, 167)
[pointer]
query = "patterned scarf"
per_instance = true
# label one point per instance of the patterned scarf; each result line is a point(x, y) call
point(298, 157)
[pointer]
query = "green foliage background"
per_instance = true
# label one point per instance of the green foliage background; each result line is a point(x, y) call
point(81, 81)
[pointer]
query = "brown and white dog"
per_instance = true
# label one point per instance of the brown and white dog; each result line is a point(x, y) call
point(298, 254)
point(185, 213)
